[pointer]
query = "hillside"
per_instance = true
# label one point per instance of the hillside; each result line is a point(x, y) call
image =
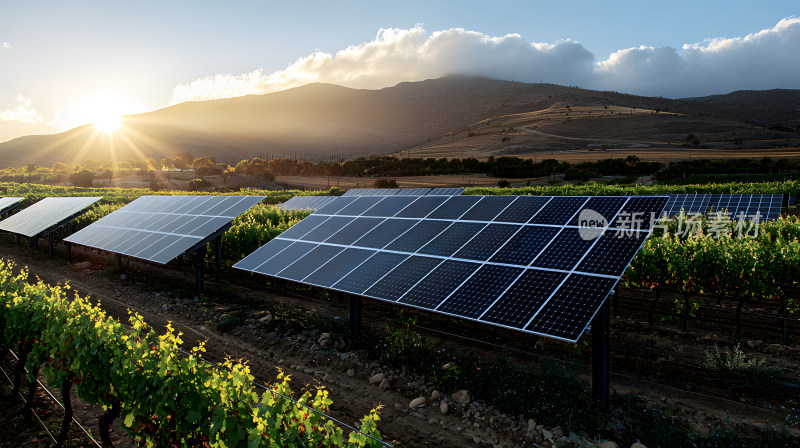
point(451, 116)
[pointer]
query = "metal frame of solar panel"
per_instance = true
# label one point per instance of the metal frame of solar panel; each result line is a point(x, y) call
point(9, 203)
point(161, 228)
point(542, 265)
point(768, 206)
point(306, 202)
point(46, 216)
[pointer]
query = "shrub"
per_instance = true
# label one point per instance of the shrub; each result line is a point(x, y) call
point(197, 184)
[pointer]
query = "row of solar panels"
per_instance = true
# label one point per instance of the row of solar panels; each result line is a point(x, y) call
point(766, 206)
point(539, 264)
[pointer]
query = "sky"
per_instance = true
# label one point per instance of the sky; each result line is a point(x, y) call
point(65, 64)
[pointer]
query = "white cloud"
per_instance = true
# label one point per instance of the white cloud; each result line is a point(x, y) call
point(764, 60)
point(23, 112)
point(398, 55)
point(6, 45)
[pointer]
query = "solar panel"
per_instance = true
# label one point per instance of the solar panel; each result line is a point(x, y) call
point(537, 264)
point(306, 202)
point(446, 191)
point(46, 215)
point(9, 203)
point(766, 206)
point(390, 192)
point(160, 228)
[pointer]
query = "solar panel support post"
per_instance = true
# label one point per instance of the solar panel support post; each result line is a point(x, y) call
point(601, 325)
point(218, 256)
point(68, 248)
point(355, 317)
point(200, 256)
point(118, 260)
point(50, 244)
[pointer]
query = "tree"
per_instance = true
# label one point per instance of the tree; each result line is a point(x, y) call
point(107, 174)
point(186, 155)
point(82, 178)
point(180, 163)
point(205, 166)
point(30, 168)
point(385, 183)
point(167, 164)
point(241, 166)
point(197, 184)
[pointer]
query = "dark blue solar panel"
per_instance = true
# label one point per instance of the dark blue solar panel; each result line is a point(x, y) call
point(522, 274)
point(359, 206)
point(522, 209)
point(565, 251)
point(454, 207)
point(413, 191)
point(486, 243)
point(439, 284)
point(385, 233)
point(528, 294)
point(451, 240)
point(310, 262)
point(353, 231)
point(567, 314)
point(332, 207)
point(418, 236)
point(369, 272)
point(327, 228)
point(338, 266)
point(639, 212)
point(422, 206)
point(488, 208)
point(480, 290)
point(558, 211)
point(612, 253)
point(525, 245)
point(596, 208)
point(285, 258)
point(389, 206)
point(401, 278)
point(303, 227)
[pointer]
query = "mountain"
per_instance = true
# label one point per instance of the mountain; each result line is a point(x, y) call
point(463, 115)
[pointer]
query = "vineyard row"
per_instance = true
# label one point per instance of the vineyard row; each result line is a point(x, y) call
point(163, 397)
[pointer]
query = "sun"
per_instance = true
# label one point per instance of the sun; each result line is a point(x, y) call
point(105, 110)
point(108, 123)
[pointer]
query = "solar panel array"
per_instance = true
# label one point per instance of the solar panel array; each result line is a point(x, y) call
point(404, 192)
point(748, 205)
point(543, 265)
point(306, 202)
point(160, 228)
point(6, 203)
point(45, 215)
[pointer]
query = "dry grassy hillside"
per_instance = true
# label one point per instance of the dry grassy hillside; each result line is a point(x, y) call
point(453, 116)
